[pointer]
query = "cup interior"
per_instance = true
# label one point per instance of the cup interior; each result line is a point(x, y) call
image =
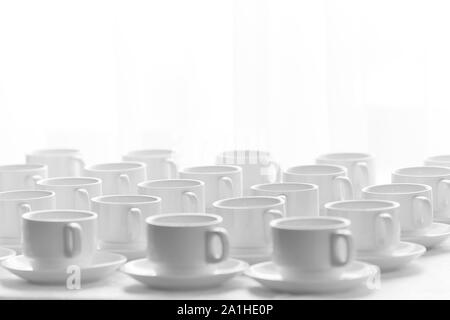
point(116, 166)
point(424, 171)
point(247, 202)
point(59, 215)
point(170, 183)
point(362, 205)
point(397, 188)
point(345, 156)
point(21, 167)
point(319, 169)
point(151, 153)
point(285, 187)
point(184, 220)
point(126, 199)
point(24, 195)
point(310, 223)
point(212, 169)
point(69, 181)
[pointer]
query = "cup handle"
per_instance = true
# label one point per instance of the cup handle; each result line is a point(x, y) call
point(343, 187)
point(346, 235)
point(422, 217)
point(134, 224)
point(124, 183)
point(363, 169)
point(270, 215)
point(228, 182)
point(86, 199)
point(192, 198)
point(32, 180)
point(173, 169)
point(283, 197)
point(72, 239)
point(388, 223)
point(277, 171)
point(24, 208)
point(443, 204)
point(80, 162)
point(223, 236)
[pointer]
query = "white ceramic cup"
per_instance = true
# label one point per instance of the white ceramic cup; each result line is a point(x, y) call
point(220, 181)
point(56, 239)
point(375, 224)
point(121, 218)
point(302, 199)
point(332, 181)
point(177, 195)
point(438, 161)
point(360, 167)
point(257, 167)
point(60, 162)
point(21, 176)
point(416, 203)
point(438, 178)
point(312, 246)
point(247, 221)
point(72, 192)
point(118, 177)
point(160, 162)
point(185, 243)
point(15, 203)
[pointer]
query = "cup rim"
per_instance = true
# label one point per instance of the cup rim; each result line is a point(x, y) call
point(439, 158)
point(398, 172)
point(22, 167)
point(30, 216)
point(103, 199)
point(219, 203)
point(339, 223)
point(127, 166)
point(307, 187)
point(335, 156)
point(227, 169)
point(54, 152)
point(149, 153)
point(44, 194)
point(48, 181)
point(148, 184)
point(388, 205)
point(153, 220)
point(370, 189)
point(338, 170)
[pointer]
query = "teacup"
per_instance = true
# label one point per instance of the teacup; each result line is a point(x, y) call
point(118, 177)
point(312, 246)
point(375, 224)
point(302, 199)
point(438, 161)
point(332, 181)
point(72, 192)
point(159, 162)
point(121, 219)
point(438, 178)
point(220, 181)
point(257, 167)
point(416, 203)
point(247, 221)
point(360, 167)
point(60, 162)
point(177, 195)
point(15, 203)
point(185, 243)
point(56, 239)
point(21, 176)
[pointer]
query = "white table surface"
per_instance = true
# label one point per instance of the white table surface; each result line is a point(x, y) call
point(426, 278)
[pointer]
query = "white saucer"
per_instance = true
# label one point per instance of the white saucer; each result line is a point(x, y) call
point(404, 253)
point(104, 263)
point(356, 274)
point(143, 270)
point(129, 253)
point(252, 258)
point(16, 246)
point(6, 253)
point(432, 236)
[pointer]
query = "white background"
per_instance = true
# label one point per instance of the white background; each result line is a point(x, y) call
point(298, 78)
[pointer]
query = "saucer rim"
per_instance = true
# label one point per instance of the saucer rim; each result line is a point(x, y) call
point(392, 254)
point(427, 234)
point(10, 253)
